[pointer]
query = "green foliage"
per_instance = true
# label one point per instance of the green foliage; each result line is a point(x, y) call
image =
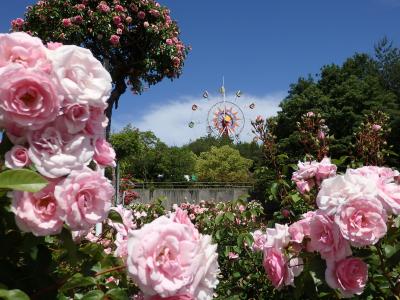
point(223, 164)
point(22, 180)
point(144, 156)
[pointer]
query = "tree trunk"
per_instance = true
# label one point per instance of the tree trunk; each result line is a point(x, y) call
point(119, 89)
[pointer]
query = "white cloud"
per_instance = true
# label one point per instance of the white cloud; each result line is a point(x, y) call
point(169, 121)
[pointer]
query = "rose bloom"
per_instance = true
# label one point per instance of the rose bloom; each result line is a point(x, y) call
point(233, 255)
point(325, 170)
point(259, 239)
point(166, 259)
point(349, 275)
point(277, 237)
point(67, 22)
point(82, 77)
point(56, 153)
point(17, 157)
point(327, 239)
point(85, 196)
point(75, 117)
point(304, 176)
point(336, 190)
point(40, 213)
point(28, 98)
point(97, 122)
point(104, 153)
point(21, 48)
point(362, 221)
point(301, 229)
point(176, 297)
point(53, 45)
point(280, 271)
point(114, 39)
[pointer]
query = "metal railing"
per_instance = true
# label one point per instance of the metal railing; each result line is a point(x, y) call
point(184, 185)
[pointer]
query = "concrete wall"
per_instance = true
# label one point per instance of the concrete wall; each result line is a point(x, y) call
point(191, 195)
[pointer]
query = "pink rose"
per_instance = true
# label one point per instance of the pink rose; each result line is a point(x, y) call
point(85, 196)
point(17, 157)
point(304, 176)
point(336, 190)
point(176, 297)
point(128, 20)
point(376, 127)
point(75, 117)
point(349, 275)
point(127, 220)
point(40, 213)
point(104, 153)
point(233, 255)
point(21, 48)
point(53, 46)
point(28, 98)
point(67, 22)
point(18, 22)
point(277, 237)
point(301, 229)
point(389, 195)
point(114, 39)
point(146, 24)
point(141, 15)
point(169, 42)
point(325, 170)
point(259, 239)
point(97, 122)
point(362, 221)
point(310, 114)
point(119, 8)
point(327, 239)
point(281, 271)
point(165, 259)
point(117, 20)
point(181, 216)
point(82, 77)
point(57, 153)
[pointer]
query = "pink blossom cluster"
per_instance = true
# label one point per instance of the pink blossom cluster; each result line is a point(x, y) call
point(52, 103)
point(169, 259)
point(353, 210)
point(281, 264)
point(312, 173)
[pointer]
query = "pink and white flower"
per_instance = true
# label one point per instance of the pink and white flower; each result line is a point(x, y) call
point(104, 154)
point(17, 157)
point(40, 213)
point(85, 196)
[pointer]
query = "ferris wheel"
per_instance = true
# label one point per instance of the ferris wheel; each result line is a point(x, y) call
point(221, 116)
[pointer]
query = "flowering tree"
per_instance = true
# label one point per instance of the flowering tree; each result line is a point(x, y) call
point(136, 40)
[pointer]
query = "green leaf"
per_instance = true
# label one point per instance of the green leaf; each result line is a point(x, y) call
point(22, 180)
point(13, 295)
point(218, 219)
point(115, 216)
point(94, 295)
point(117, 294)
point(230, 216)
point(78, 280)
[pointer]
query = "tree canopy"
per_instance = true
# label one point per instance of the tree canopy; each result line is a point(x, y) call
point(136, 40)
point(223, 164)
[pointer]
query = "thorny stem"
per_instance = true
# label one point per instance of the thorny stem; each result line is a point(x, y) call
point(383, 268)
point(110, 270)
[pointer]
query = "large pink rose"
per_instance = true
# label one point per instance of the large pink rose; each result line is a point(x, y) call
point(17, 157)
point(104, 153)
point(40, 213)
point(86, 197)
point(81, 75)
point(336, 190)
point(23, 49)
point(281, 270)
point(389, 195)
point(166, 259)
point(327, 239)
point(27, 98)
point(362, 221)
point(57, 153)
point(349, 275)
point(97, 121)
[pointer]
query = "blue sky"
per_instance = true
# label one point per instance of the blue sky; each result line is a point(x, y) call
point(260, 46)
